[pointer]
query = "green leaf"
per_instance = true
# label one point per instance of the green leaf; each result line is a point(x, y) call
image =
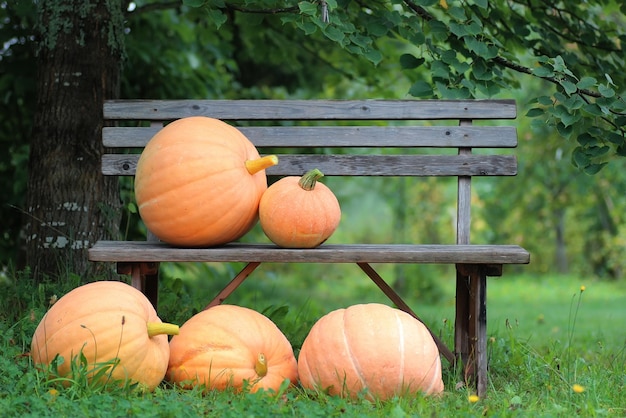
point(409, 61)
point(360, 40)
point(308, 8)
point(439, 69)
point(217, 17)
point(575, 102)
point(438, 29)
point(543, 72)
point(373, 55)
point(482, 71)
point(458, 29)
point(545, 100)
point(535, 112)
point(598, 151)
point(474, 28)
point(586, 82)
point(377, 29)
point(458, 13)
point(585, 139)
point(131, 207)
point(480, 48)
point(194, 3)
point(488, 89)
point(421, 89)
point(564, 130)
point(593, 168)
point(606, 91)
point(592, 109)
point(307, 26)
point(569, 87)
point(580, 158)
point(481, 3)
point(569, 119)
point(427, 3)
point(334, 34)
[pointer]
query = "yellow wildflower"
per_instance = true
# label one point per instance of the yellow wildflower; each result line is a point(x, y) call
point(582, 288)
point(473, 398)
point(578, 388)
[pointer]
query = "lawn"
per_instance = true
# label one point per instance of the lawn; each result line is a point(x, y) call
point(557, 348)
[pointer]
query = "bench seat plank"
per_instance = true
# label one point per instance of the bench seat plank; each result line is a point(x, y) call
point(143, 251)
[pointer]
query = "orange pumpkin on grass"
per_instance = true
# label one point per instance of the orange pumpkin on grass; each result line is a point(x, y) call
point(107, 322)
point(199, 181)
point(229, 346)
point(299, 212)
point(370, 349)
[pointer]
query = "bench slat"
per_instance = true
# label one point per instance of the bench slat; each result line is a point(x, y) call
point(143, 251)
point(361, 165)
point(310, 109)
point(344, 136)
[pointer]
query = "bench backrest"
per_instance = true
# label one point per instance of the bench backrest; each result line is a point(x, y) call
point(341, 125)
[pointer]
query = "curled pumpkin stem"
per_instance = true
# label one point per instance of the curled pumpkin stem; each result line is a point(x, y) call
point(307, 182)
point(158, 328)
point(260, 367)
point(254, 166)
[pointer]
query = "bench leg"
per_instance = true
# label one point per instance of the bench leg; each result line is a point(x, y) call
point(143, 277)
point(233, 284)
point(401, 304)
point(470, 338)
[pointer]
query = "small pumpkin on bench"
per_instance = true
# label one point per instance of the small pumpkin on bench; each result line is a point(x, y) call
point(299, 212)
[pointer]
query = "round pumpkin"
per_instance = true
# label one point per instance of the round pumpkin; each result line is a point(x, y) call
point(199, 181)
point(299, 212)
point(370, 349)
point(107, 322)
point(229, 346)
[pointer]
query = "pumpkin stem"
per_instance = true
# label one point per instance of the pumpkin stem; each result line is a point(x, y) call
point(260, 367)
point(254, 166)
point(307, 182)
point(158, 328)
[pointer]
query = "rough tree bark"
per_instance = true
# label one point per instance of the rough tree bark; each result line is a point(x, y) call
point(69, 203)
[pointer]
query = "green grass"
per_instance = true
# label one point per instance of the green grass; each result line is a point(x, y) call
point(545, 336)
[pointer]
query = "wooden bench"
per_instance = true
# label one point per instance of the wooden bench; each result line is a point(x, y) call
point(402, 124)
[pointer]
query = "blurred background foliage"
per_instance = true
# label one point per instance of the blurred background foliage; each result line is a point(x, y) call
point(570, 221)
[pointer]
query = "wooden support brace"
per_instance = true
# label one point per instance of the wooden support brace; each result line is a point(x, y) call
point(233, 284)
point(401, 304)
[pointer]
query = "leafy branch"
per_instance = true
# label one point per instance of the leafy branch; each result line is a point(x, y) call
point(464, 49)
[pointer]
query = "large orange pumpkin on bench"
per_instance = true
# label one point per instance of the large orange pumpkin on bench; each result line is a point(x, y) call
point(199, 181)
point(370, 349)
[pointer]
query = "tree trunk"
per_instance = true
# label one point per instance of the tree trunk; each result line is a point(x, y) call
point(69, 203)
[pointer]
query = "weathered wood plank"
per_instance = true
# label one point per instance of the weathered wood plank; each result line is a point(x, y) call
point(360, 165)
point(143, 251)
point(310, 109)
point(344, 136)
